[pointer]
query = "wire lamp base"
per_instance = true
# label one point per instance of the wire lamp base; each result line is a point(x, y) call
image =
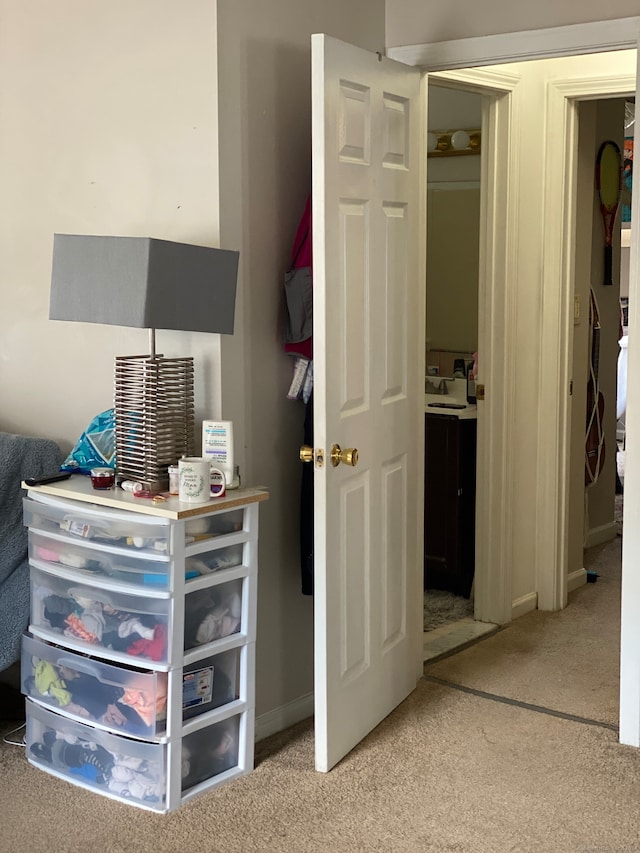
point(154, 417)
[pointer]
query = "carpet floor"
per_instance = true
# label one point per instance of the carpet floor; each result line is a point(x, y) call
point(464, 765)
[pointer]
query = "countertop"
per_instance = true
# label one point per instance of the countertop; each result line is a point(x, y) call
point(468, 413)
point(436, 404)
point(79, 488)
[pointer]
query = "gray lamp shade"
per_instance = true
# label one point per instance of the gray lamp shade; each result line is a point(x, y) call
point(143, 282)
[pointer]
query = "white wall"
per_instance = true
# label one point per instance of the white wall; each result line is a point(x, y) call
point(265, 177)
point(109, 116)
point(453, 227)
point(109, 126)
point(417, 22)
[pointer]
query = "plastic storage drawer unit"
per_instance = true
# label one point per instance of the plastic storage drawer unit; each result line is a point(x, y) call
point(139, 664)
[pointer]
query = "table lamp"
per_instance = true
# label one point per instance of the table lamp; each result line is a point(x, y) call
point(153, 284)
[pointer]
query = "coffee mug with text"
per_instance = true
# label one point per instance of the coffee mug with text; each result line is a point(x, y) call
point(194, 480)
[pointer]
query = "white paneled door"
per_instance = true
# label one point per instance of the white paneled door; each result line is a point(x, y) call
point(369, 181)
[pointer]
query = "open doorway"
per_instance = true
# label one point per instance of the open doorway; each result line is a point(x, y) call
point(547, 592)
point(454, 177)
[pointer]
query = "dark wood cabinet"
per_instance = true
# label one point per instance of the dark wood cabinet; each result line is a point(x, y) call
point(450, 503)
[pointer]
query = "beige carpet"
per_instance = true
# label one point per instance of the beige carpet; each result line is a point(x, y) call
point(568, 661)
point(447, 771)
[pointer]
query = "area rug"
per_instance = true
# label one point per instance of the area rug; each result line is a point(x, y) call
point(441, 607)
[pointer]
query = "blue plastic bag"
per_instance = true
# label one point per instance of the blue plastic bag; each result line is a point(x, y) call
point(96, 447)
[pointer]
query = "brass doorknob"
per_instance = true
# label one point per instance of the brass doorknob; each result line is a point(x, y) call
point(347, 457)
point(306, 453)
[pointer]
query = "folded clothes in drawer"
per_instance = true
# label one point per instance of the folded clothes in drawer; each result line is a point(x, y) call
point(130, 770)
point(117, 564)
point(99, 621)
point(114, 697)
point(99, 525)
point(213, 613)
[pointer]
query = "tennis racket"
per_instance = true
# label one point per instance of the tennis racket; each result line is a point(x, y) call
point(609, 187)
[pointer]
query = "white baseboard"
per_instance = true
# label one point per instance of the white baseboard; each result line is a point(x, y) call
point(524, 604)
point(603, 533)
point(283, 717)
point(576, 579)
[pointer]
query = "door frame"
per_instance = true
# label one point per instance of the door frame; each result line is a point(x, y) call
point(497, 305)
point(557, 317)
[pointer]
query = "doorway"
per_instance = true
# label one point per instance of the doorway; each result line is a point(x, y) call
point(549, 590)
point(453, 235)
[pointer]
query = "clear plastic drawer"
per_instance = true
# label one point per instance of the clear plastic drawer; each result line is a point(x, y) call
point(99, 525)
point(209, 526)
point(210, 751)
point(98, 621)
point(113, 697)
point(117, 564)
point(118, 767)
point(211, 683)
point(214, 613)
point(214, 561)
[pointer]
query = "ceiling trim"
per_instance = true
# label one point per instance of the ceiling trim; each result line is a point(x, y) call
point(593, 37)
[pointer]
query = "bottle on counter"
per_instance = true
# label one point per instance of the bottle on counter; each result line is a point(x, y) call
point(458, 369)
point(471, 384)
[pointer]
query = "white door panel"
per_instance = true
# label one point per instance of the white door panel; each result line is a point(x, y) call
point(368, 236)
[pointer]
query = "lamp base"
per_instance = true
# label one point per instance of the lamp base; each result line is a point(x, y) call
point(154, 417)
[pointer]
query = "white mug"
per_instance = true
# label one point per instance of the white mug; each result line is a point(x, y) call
point(194, 480)
point(218, 483)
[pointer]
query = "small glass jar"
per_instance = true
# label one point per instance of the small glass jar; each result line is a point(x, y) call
point(174, 480)
point(103, 478)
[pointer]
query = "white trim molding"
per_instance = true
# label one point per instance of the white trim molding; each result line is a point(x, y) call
point(594, 37)
point(576, 579)
point(524, 604)
point(283, 717)
point(496, 339)
point(601, 534)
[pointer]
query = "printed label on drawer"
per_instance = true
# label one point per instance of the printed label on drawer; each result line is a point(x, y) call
point(78, 528)
point(197, 687)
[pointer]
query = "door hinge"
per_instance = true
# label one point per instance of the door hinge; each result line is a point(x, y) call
point(479, 392)
point(571, 388)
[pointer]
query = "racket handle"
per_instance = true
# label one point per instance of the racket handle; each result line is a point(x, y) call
point(608, 265)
